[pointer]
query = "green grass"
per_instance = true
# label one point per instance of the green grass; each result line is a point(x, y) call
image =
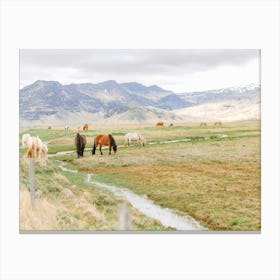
point(78, 205)
point(215, 180)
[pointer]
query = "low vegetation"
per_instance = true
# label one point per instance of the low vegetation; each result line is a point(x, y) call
point(214, 177)
point(64, 201)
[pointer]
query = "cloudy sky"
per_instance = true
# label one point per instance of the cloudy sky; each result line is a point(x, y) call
point(176, 70)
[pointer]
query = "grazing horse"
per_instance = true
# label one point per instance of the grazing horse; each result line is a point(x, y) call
point(80, 142)
point(33, 145)
point(203, 124)
point(160, 124)
point(134, 137)
point(44, 152)
point(24, 141)
point(49, 127)
point(66, 127)
point(218, 123)
point(107, 140)
point(85, 127)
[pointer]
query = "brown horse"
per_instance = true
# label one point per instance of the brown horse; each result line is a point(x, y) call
point(218, 123)
point(85, 127)
point(203, 124)
point(80, 142)
point(160, 124)
point(106, 140)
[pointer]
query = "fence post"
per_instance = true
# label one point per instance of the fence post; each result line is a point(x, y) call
point(124, 217)
point(32, 182)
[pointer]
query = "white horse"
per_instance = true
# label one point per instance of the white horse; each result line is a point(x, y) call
point(135, 138)
point(25, 140)
point(34, 145)
point(66, 127)
point(44, 152)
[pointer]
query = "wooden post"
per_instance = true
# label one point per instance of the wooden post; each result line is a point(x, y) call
point(124, 217)
point(32, 182)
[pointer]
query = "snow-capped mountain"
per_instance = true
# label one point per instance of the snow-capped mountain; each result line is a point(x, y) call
point(46, 102)
point(250, 92)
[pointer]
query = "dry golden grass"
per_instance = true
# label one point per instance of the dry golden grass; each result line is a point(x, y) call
point(68, 203)
point(218, 182)
point(43, 217)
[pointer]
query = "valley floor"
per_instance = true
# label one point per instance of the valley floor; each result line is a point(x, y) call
point(210, 173)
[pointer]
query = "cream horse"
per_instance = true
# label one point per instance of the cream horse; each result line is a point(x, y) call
point(135, 138)
point(35, 147)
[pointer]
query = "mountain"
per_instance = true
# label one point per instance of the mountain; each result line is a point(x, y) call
point(45, 102)
point(226, 104)
point(233, 110)
point(251, 91)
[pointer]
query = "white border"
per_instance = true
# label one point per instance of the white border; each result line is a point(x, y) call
point(155, 24)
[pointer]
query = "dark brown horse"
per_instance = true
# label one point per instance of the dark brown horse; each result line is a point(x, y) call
point(80, 142)
point(104, 140)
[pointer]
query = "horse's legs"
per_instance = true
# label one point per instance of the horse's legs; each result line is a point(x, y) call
point(100, 148)
point(29, 153)
point(110, 148)
point(39, 153)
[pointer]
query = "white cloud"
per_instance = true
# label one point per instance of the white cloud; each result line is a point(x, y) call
point(177, 70)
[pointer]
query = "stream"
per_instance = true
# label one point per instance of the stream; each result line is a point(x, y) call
point(167, 217)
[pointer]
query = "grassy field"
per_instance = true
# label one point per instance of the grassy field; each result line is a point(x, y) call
point(213, 177)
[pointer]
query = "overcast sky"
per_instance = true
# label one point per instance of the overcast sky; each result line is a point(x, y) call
point(176, 70)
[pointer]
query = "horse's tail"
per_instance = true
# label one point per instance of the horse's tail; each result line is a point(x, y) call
point(112, 142)
point(79, 143)
point(94, 147)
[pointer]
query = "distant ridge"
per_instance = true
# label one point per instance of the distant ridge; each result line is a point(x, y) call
point(46, 102)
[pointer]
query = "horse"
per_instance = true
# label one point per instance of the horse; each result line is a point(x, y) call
point(66, 128)
point(203, 124)
point(33, 145)
point(171, 124)
point(106, 140)
point(49, 127)
point(44, 152)
point(218, 123)
point(134, 137)
point(160, 124)
point(24, 141)
point(85, 127)
point(80, 142)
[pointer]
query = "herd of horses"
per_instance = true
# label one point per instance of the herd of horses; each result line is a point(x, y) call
point(163, 124)
point(106, 140)
point(100, 140)
point(216, 123)
point(39, 150)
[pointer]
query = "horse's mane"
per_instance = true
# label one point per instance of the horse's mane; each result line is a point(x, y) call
point(112, 142)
